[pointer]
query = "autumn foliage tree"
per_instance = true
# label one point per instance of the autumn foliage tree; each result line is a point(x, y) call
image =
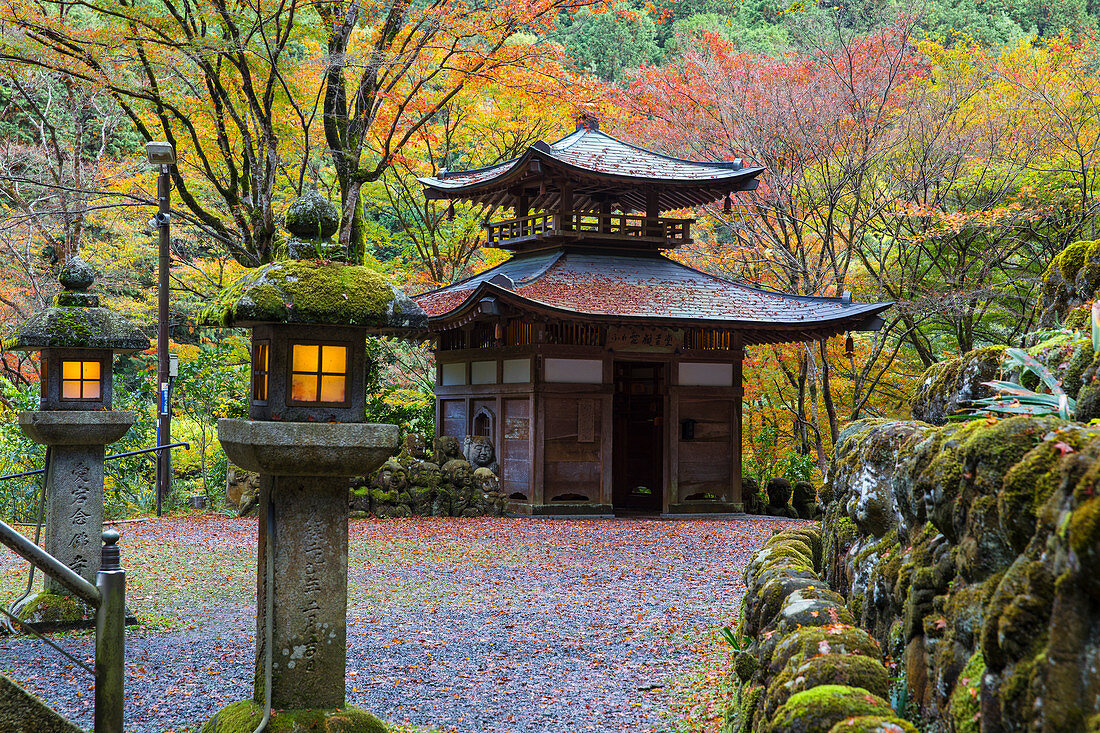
point(262, 99)
point(822, 123)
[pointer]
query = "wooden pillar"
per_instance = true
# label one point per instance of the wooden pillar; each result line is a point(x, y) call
point(672, 438)
point(653, 212)
point(565, 206)
point(607, 448)
point(605, 216)
point(739, 392)
point(538, 433)
point(523, 209)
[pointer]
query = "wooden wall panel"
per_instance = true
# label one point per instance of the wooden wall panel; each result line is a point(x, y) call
point(453, 414)
point(573, 448)
point(704, 461)
point(515, 448)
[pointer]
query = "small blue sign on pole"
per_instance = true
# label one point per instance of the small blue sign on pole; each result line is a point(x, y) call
point(163, 402)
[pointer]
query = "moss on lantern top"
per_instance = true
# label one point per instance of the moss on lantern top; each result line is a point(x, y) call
point(75, 320)
point(317, 292)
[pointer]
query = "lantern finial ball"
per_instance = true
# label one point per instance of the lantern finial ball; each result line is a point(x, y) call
point(76, 275)
point(312, 217)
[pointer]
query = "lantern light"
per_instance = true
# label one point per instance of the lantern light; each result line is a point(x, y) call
point(81, 380)
point(160, 153)
point(318, 372)
point(849, 347)
point(261, 355)
point(727, 205)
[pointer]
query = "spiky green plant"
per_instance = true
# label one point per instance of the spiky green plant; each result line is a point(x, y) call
point(1014, 399)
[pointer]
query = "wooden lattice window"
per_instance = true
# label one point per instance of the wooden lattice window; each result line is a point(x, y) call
point(708, 340)
point(261, 354)
point(574, 334)
point(318, 373)
point(81, 380)
point(518, 333)
point(452, 340)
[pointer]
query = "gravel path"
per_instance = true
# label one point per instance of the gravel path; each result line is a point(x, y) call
point(504, 625)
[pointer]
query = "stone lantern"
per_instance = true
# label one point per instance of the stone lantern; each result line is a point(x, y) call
point(306, 436)
point(77, 340)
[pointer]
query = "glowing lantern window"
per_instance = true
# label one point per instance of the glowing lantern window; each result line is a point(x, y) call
point(318, 373)
point(81, 380)
point(260, 356)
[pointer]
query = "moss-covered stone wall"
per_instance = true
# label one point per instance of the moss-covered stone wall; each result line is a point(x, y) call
point(1071, 280)
point(970, 553)
point(805, 666)
point(954, 584)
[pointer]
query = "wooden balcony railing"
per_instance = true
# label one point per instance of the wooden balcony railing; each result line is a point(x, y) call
point(587, 225)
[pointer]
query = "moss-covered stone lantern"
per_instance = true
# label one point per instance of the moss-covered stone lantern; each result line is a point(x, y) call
point(307, 434)
point(77, 339)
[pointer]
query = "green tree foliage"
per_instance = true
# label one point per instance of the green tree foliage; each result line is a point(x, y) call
point(608, 43)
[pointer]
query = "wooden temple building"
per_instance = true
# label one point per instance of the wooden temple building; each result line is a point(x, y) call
point(608, 376)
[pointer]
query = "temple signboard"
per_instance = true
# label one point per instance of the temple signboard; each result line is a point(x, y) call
point(644, 339)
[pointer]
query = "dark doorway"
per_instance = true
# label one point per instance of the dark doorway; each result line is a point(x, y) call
point(638, 445)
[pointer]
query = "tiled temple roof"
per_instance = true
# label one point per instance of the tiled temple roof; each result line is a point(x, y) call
point(592, 154)
point(595, 285)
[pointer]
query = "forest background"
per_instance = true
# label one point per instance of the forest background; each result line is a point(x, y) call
point(937, 156)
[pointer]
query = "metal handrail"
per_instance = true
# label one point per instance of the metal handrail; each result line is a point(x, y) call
point(48, 564)
point(108, 597)
point(185, 444)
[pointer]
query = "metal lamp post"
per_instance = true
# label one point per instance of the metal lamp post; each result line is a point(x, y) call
point(162, 154)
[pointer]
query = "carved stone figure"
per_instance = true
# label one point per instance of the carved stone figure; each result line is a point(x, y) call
point(779, 498)
point(489, 485)
point(804, 499)
point(388, 495)
point(242, 490)
point(752, 496)
point(423, 480)
point(413, 448)
point(447, 449)
point(480, 453)
point(465, 499)
point(359, 497)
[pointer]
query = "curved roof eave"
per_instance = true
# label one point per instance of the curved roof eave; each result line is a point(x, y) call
point(866, 311)
point(512, 168)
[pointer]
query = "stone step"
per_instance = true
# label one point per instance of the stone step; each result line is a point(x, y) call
point(22, 712)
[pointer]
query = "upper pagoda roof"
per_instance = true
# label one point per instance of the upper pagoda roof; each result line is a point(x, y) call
point(653, 289)
point(599, 166)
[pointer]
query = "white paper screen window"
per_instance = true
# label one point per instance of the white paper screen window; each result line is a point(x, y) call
point(574, 371)
point(453, 374)
point(483, 372)
point(517, 371)
point(695, 374)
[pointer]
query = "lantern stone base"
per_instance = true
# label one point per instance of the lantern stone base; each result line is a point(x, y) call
point(303, 521)
point(244, 716)
point(47, 611)
point(74, 506)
